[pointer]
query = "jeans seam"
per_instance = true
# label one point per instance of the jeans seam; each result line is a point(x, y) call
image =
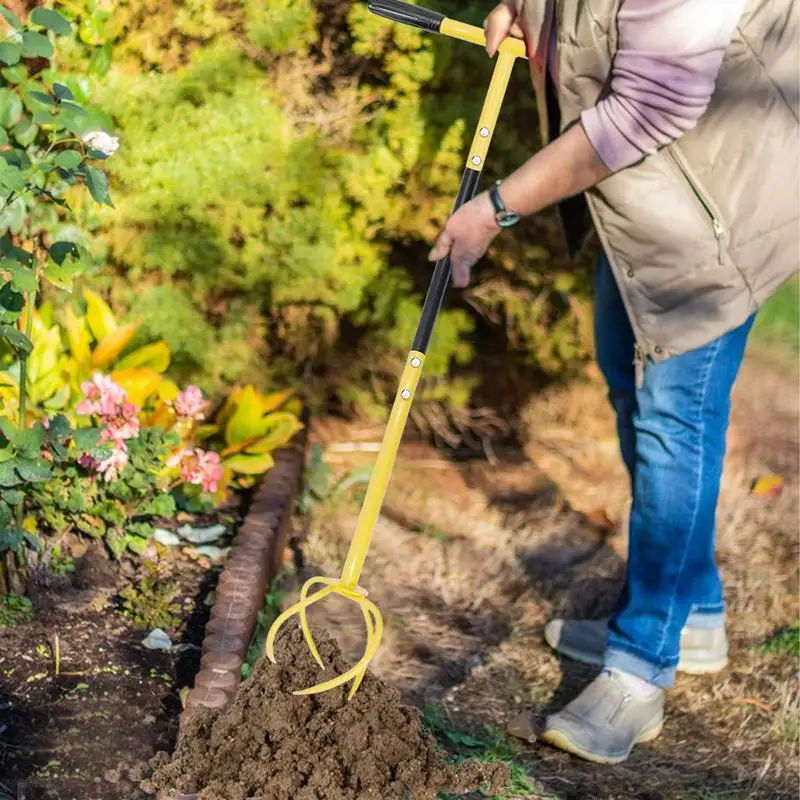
point(633, 650)
point(712, 358)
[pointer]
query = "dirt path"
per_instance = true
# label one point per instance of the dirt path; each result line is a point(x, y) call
point(470, 561)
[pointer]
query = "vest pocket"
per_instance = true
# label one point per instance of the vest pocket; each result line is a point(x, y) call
point(704, 201)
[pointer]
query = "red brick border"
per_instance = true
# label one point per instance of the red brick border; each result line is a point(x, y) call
point(253, 562)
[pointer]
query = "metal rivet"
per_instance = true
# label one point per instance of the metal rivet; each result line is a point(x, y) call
point(630, 273)
point(484, 132)
point(415, 362)
point(405, 394)
point(476, 160)
point(658, 348)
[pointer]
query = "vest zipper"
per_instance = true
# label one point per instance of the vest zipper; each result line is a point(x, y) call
point(716, 223)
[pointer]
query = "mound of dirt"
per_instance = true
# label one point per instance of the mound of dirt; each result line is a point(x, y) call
point(272, 745)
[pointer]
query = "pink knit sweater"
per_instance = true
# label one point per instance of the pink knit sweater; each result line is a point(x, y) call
point(663, 76)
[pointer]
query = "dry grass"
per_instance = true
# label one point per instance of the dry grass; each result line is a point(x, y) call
point(469, 562)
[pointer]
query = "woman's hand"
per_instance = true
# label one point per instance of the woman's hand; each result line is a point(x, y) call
point(466, 237)
point(500, 24)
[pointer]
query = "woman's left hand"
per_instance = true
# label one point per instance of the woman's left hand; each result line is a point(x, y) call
point(466, 237)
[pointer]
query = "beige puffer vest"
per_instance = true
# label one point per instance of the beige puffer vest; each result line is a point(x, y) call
point(700, 233)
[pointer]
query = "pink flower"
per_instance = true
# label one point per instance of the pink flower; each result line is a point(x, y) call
point(46, 422)
point(103, 396)
point(111, 467)
point(198, 467)
point(190, 403)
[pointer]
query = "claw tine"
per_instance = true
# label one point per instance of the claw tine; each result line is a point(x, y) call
point(304, 617)
point(356, 683)
point(290, 612)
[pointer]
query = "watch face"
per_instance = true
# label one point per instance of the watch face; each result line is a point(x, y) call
point(505, 219)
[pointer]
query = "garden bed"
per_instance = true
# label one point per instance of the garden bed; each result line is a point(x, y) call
point(84, 704)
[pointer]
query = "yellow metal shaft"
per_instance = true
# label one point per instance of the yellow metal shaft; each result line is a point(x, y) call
point(382, 472)
point(491, 110)
point(471, 33)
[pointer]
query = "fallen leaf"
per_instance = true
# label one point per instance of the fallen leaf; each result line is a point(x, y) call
point(768, 486)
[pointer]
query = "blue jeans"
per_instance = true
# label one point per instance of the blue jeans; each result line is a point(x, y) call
point(672, 438)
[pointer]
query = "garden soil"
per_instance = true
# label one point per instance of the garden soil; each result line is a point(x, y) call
point(273, 745)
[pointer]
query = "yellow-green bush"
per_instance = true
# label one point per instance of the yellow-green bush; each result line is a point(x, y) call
point(280, 175)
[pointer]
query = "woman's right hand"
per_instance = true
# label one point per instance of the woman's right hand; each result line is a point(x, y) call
point(500, 24)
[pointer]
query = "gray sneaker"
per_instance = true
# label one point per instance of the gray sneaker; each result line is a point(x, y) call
point(703, 650)
point(605, 721)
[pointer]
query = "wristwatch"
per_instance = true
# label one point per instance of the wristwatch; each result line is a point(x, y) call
point(503, 216)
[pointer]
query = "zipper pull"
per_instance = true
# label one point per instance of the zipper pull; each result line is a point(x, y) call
point(719, 233)
point(638, 366)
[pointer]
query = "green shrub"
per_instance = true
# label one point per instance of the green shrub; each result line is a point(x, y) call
point(279, 196)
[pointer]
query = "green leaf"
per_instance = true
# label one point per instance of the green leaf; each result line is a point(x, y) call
point(3, 137)
point(16, 74)
point(41, 97)
point(13, 496)
point(68, 159)
point(12, 19)
point(29, 441)
point(74, 107)
point(86, 439)
point(33, 542)
point(116, 542)
point(60, 250)
point(25, 132)
point(136, 544)
point(51, 20)
point(63, 92)
point(36, 45)
point(10, 108)
point(8, 475)
point(10, 539)
point(10, 250)
point(33, 469)
point(97, 182)
point(22, 278)
point(10, 53)
point(10, 177)
point(11, 304)
point(17, 339)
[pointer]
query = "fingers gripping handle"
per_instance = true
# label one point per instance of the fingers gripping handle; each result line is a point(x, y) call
point(407, 14)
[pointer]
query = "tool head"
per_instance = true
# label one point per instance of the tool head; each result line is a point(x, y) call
point(372, 618)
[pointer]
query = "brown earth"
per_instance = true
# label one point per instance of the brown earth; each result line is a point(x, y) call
point(470, 560)
point(272, 745)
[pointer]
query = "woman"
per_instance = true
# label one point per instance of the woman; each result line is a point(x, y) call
point(679, 128)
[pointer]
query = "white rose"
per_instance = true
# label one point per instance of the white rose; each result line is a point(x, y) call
point(102, 141)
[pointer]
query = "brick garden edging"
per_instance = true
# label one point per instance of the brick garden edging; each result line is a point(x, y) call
point(253, 562)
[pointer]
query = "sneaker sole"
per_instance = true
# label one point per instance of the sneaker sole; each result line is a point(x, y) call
point(686, 667)
point(560, 740)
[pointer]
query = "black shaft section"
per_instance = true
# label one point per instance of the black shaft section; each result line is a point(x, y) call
point(441, 273)
point(407, 14)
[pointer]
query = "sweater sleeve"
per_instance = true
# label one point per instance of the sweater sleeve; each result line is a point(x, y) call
point(663, 75)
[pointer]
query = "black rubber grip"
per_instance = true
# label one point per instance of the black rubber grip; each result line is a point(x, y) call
point(441, 272)
point(415, 16)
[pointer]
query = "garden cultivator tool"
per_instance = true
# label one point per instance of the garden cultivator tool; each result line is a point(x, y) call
point(347, 584)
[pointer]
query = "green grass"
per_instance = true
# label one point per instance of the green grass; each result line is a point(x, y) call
point(491, 747)
point(784, 642)
point(777, 326)
point(273, 601)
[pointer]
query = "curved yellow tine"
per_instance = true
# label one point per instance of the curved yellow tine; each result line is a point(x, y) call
point(370, 637)
point(290, 612)
point(304, 617)
point(361, 666)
